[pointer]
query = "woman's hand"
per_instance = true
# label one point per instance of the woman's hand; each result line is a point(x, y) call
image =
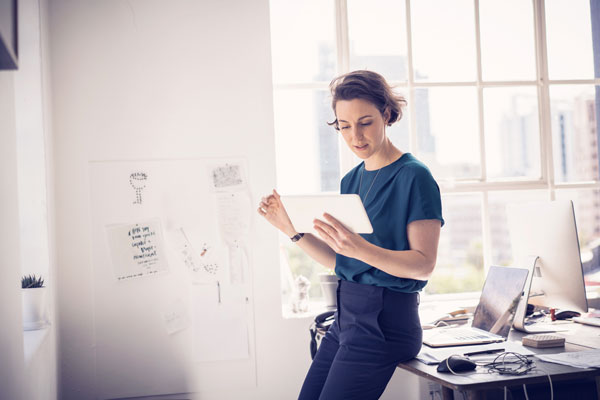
point(339, 238)
point(272, 209)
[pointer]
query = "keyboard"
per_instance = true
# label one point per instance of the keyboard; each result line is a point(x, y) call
point(594, 321)
point(465, 334)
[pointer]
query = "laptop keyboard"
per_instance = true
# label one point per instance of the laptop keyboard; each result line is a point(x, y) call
point(465, 334)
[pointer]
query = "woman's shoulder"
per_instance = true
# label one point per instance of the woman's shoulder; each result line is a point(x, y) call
point(411, 167)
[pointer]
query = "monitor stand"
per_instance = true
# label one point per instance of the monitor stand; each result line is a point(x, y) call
point(519, 321)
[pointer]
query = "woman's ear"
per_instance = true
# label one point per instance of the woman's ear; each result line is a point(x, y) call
point(386, 116)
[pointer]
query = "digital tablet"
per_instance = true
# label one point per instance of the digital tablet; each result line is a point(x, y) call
point(346, 208)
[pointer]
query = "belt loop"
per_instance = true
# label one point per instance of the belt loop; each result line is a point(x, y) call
point(418, 298)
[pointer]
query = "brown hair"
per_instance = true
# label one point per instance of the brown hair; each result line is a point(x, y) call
point(369, 86)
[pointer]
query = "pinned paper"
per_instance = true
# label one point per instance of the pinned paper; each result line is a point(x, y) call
point(206, 262)
point(137, 249)
point(216, 323)
point(176, 317)
point(227, 176)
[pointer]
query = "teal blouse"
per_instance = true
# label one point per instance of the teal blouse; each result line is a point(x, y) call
point(398, 194)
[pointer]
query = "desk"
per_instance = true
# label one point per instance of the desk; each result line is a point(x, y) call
point(579, 383)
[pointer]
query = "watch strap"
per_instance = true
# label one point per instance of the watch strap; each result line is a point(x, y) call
point(297, 237)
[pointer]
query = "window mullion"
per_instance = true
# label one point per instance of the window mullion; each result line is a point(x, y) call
point(546, 156)
point(347, 159)
point(412, 140)
point(485, 217)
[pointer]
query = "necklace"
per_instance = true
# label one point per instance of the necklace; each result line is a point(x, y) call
point(372, 182)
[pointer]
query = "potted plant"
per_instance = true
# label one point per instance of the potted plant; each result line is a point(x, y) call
point(329, 284)
point(33, 293)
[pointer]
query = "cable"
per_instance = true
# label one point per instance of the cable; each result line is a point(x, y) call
point(525, 391)
point(551, 389)
point(509, 363)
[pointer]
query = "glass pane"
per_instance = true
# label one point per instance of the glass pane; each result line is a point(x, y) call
point(302, 40)
point(447, 131)
point(569, 37)
point(500, 237)
point(512, 135)
point(574, 132)
point(377, 34)
point(307, 152)
point(459, 265)
point(587, 217)
point(443, 40)
point(500, 47)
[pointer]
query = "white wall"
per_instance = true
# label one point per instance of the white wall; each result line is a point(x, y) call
point(148, 79)
point(156, 79)
point(11, 334)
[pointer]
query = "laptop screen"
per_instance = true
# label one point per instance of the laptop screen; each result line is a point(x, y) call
point(499, 299)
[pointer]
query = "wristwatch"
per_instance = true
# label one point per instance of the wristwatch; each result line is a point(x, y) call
point(297, 237)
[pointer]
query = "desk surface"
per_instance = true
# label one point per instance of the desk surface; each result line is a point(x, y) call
point(480, 379)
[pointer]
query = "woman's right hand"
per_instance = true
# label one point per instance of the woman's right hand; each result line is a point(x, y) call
point(273, 210)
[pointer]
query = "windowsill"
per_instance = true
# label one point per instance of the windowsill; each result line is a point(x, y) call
point(432, 305)
point(315, 307)
point(32, 341)
point(435, 305)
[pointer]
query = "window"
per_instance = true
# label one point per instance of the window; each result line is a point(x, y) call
point(502, 107)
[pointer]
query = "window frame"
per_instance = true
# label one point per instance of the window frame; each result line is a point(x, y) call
point(483, 185)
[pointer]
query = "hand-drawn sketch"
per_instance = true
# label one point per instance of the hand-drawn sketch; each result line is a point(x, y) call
point(137, 249)
point(227, 176)
point(233, 215)
point(205, 265)
point(137, 180)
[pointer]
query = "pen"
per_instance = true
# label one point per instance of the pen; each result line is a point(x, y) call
point(490, 351)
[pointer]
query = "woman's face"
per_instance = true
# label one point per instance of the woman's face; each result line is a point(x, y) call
point(362, 126)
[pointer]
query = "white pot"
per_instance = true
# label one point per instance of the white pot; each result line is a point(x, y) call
point(34, 308)
point(329, 284)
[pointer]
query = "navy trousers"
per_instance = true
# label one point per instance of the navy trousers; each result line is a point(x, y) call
point(374, 329)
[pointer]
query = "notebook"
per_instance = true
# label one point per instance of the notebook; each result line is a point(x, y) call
point(493, 316)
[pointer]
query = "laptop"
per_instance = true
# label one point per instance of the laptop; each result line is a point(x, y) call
point(493, 316)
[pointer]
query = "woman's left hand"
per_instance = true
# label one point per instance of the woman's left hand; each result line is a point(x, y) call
point(338, 237)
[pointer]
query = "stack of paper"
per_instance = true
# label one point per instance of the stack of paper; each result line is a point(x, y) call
point(578, 359)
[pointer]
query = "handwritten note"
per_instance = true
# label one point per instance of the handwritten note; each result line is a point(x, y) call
point(176, 317)
point(233, 213)
point(137, 249)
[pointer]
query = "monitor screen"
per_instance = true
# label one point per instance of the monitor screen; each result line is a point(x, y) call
point(499, 299)
point(547, 230)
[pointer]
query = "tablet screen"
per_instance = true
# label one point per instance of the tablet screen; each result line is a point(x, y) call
point(346, 208)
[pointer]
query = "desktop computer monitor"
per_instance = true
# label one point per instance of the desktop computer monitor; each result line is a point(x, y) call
point(545, 234)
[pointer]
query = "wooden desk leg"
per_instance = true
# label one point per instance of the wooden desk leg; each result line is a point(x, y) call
point(447, 393)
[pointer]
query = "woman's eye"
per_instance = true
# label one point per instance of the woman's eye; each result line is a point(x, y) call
point(366, 124)
point(344, 127)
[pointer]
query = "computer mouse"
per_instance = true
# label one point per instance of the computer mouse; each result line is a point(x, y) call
point(457, 363)
point(566, 314)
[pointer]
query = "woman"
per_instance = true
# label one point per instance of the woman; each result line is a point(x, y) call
point(377, 323)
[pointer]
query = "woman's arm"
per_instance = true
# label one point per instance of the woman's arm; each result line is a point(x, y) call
point(416, 263)
point(272, 209)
